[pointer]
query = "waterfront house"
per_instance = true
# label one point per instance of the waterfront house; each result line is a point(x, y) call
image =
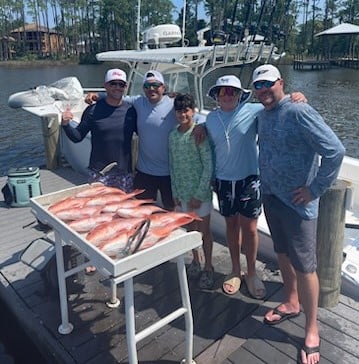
point(37, 39)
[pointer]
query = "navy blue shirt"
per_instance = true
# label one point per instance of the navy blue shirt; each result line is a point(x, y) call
point(111, 130)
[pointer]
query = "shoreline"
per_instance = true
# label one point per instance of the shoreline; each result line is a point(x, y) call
point(37, 63)
point(63, 62)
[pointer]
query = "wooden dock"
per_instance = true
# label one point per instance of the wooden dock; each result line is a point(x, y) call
point(347, 63)
point(311, 64)
point(226, 329)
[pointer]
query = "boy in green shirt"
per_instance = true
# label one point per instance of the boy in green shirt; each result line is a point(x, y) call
point(191, 169)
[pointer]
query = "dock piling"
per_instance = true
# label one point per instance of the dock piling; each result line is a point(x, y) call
point(51, 134)
point(330, 237)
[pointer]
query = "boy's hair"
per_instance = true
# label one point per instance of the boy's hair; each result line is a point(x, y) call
point(184, 101)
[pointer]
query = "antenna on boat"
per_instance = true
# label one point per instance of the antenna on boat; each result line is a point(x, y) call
point(138, 23)
point(184, 22)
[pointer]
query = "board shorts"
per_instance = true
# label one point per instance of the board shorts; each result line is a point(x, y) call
point(239, 197)
point(291, 234)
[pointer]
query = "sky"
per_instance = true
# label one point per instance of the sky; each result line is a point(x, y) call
point(179, 5)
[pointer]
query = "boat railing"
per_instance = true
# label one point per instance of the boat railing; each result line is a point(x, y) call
point(241, 53)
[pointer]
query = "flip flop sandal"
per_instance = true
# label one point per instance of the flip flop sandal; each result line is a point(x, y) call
point(308, 351)
point(207, 279)
point(194, 270)
point(255, 286)
point(283, 316)
point(234, 281)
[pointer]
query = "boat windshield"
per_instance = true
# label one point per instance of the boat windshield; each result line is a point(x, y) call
point(176, 80)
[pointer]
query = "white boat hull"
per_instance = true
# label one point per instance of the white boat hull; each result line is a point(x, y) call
point(76, 154)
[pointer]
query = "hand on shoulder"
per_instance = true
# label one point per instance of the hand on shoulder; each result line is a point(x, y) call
point(298, 97)
point(91, 98)
point(199, 133)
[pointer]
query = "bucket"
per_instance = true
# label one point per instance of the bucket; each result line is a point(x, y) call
point(24, 183)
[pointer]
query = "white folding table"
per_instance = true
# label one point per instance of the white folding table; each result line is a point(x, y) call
point(174, 247)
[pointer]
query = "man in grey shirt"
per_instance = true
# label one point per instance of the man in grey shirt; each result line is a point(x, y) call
point(292, 136)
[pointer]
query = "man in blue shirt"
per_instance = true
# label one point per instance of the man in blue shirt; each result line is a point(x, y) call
point(292, 136)
point(109, 122)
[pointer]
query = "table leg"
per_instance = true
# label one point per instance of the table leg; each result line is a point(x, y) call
point(186, 303)
point(130, 321)
point(66, 327)
point(114, 301)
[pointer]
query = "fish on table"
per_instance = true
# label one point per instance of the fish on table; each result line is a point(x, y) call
point(67, 203)
point(95, 191)
point(173, 216)
point(106, 199)
point(116, 243)
point(109, 217)
point(86, 224)
point(130, 203)
point(139, 211)
point(76, 213)
point(109, 229)
point(157, 233)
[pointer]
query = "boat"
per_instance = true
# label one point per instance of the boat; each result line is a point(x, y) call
point(186, 69)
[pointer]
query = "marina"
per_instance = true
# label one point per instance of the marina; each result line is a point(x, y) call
point(226, 329)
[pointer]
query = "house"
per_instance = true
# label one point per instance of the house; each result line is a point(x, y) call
point(6, 48)
point(37, 39)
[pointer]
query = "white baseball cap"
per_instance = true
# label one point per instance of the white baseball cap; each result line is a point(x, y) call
point(230, 81)
point(115, 75)
point(266, 72)
point(153, 75)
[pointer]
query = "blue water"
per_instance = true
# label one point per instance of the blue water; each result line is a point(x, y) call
point(334, 93)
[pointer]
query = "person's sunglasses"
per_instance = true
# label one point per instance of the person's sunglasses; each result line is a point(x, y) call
point(229, 91)
point(154, 85)
point(117, 84)
point(267, 84)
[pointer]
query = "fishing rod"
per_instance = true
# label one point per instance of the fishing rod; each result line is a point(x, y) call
point(251, 37)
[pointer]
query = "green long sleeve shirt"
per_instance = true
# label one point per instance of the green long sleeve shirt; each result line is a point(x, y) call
point(191, 167)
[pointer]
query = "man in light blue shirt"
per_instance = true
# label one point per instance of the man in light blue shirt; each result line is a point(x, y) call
point(292, 136)
point(232, 129)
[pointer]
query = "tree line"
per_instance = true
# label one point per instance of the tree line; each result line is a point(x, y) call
point(101, 25)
